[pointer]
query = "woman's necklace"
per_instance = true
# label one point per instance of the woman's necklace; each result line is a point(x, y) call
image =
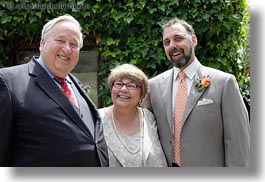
point(122, 142)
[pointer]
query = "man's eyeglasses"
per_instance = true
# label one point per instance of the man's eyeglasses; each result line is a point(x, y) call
point(129, 86)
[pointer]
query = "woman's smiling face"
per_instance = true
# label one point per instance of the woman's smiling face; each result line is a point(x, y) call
point(124, 97)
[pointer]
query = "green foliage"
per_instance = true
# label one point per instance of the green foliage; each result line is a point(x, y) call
point(130, 32)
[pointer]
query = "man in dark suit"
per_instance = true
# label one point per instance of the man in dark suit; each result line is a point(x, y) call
point(214, 124)
point(39, 125)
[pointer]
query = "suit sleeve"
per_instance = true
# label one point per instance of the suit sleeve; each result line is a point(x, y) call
point(146, 102)
point(236, 126)
point(6, 122)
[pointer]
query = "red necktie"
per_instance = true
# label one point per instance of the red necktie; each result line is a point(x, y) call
point(66, 90)
point(179, 107)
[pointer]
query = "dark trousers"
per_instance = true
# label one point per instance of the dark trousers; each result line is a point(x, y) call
point(175, 165)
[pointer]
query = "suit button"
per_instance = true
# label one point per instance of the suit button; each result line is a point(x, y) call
point(81, 115)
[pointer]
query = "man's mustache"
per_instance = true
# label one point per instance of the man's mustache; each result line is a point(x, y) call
point(176, 50)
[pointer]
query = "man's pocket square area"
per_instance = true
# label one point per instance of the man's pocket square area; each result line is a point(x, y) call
point(204, 102)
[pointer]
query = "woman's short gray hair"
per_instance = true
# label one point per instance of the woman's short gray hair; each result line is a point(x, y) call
point(48, 26)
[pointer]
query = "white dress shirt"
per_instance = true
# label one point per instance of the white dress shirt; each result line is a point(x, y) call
point(190, 72)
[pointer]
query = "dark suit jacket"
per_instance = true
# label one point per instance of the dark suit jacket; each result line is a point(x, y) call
point(40, 127)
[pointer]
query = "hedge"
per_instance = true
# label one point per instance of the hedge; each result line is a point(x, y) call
point(129, 32)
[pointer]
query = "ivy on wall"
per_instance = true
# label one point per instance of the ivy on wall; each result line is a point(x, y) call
point(129, 31)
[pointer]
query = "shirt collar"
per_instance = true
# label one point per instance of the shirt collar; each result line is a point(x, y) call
point(40, 61)
point(190, 71)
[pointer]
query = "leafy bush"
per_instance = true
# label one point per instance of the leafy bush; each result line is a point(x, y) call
point(129, 32)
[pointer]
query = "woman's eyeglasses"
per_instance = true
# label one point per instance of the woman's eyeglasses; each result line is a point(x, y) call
point(129, 86)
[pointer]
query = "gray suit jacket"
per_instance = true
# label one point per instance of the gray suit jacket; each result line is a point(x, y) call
point(215, 127)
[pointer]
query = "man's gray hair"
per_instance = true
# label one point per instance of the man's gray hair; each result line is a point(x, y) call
point(48, 26)
point(185, 24)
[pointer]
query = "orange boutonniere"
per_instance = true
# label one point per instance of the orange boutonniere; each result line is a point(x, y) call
point(203, 83)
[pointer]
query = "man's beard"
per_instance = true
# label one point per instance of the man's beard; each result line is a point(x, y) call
point(181, 61)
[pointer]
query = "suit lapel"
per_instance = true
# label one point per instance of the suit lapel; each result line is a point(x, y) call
point(165, 87)
point(113, 143)
point(194, 95)
point(148, 138)
point(44, 81)
point(91, 105)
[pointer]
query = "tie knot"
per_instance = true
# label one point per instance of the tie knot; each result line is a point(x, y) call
point(59, 80)
point(182, 75)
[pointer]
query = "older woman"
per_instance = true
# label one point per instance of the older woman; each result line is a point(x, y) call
point(130, 131)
